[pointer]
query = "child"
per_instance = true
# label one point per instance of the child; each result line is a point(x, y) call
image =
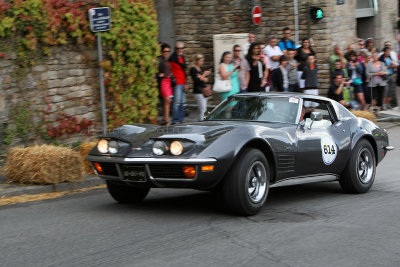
point(310, 75)
point(291, 68)
point(280, 76)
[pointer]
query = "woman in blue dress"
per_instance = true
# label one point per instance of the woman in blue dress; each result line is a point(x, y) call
point(229, 71)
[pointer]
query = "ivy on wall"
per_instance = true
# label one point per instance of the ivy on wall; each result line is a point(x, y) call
point(131, 66)
point(34, 26)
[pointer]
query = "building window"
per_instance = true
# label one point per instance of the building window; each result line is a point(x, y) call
point(366, 8)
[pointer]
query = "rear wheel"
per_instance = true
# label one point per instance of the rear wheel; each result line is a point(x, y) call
point(246, 186)
point(359, 174)
point(125, 193)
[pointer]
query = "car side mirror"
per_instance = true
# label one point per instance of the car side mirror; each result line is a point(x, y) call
point(315, 116)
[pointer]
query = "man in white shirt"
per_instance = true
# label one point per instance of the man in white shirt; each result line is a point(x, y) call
point(245, 46)
point(273, 52)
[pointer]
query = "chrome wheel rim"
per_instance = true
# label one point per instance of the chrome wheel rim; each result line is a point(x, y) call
point(365, 166)
point(256, 182)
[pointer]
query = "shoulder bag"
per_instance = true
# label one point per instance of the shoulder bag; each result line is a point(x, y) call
point(222, 86)
point(207, 91)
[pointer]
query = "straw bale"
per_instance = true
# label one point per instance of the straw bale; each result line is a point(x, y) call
point(84, 150)
point(45, 164)
point(364, 114)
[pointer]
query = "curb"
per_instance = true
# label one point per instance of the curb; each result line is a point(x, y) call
point(389, 119)
point(18, 190)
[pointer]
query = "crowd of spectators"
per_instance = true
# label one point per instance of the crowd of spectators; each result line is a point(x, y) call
point(361, 77)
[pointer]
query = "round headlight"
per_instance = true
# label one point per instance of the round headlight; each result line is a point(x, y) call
point(159, 148)
point(102, 146)
point(176, 148)
point(113, 147)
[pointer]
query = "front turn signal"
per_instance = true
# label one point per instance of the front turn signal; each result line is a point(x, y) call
point(189, 171)
point(98, 168)
point(207, 168)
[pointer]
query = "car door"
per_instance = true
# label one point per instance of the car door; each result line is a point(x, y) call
point(322, 145)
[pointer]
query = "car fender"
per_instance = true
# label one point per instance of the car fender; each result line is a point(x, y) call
point(364, 129)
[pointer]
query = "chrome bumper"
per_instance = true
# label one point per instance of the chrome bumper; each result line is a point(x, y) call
point(151, 160)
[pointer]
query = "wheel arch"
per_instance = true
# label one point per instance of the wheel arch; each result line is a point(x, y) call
point(266, 149)
point(371, 140)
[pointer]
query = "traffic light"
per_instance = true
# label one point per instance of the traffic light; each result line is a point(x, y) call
point(316, 13)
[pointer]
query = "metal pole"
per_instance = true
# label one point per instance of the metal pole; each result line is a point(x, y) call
point(296, 21)
point(308, 21)
point(102, 90)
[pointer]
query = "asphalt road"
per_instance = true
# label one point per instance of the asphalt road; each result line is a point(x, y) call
point(308, 225)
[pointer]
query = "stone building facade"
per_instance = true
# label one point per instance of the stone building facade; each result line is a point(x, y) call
point(195, 23)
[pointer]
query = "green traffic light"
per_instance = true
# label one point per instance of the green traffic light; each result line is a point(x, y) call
point(319, 14)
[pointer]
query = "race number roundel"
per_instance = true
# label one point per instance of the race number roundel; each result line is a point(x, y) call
point(329, 149)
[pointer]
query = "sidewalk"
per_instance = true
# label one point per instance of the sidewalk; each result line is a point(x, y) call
point(12, 189)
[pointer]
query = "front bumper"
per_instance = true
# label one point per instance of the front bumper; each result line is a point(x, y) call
point(158, 172)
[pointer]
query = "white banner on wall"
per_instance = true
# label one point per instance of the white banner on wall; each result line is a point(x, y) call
point(225, 42)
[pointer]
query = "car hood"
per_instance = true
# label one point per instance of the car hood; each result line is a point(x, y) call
point(203, 132)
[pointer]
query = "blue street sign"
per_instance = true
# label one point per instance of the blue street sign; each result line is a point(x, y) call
point(99, 18)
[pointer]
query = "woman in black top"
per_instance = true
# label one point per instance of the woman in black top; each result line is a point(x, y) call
point(303, 52)
point(199, 82)
point(257, 69)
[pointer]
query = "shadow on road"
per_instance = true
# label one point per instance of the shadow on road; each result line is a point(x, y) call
point(178, 201)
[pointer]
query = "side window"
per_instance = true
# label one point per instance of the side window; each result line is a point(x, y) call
point(312, 105)
point(341, 112)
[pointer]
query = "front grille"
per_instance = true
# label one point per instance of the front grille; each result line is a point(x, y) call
point(109, 169)
point(171, 171)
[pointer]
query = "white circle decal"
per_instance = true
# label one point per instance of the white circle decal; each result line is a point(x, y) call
point(329, 149)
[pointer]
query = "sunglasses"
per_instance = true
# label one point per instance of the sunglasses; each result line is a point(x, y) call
point(237, 50)
point(165, 51)
point(179, 48)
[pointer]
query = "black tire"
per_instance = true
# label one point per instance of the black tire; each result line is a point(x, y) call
point(125, 193)
point(239, 183)
point(359, 174)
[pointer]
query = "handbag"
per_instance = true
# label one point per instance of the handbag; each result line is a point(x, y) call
point(222, 86)
point(207, 91)
point(173, 81)
point(357, 81)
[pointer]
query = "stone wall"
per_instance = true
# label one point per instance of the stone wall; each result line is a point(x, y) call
point(66, 81)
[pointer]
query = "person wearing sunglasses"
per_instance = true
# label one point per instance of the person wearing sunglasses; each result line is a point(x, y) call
point(165, 82)
point(244, 67)
point(178, 68)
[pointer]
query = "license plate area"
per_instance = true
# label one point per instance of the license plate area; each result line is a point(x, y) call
point(134, 173)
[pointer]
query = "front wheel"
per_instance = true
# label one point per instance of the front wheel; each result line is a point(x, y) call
point(246, 185)
point(359, 174)
point(125, 193)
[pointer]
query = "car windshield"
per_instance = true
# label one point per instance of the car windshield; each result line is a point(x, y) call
point(256, 108)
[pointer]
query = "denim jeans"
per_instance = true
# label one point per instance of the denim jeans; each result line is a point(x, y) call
point(178, 104)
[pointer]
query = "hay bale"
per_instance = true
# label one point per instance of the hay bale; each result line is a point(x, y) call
point(364, 114)
point(44, 164)
point(84, 150)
